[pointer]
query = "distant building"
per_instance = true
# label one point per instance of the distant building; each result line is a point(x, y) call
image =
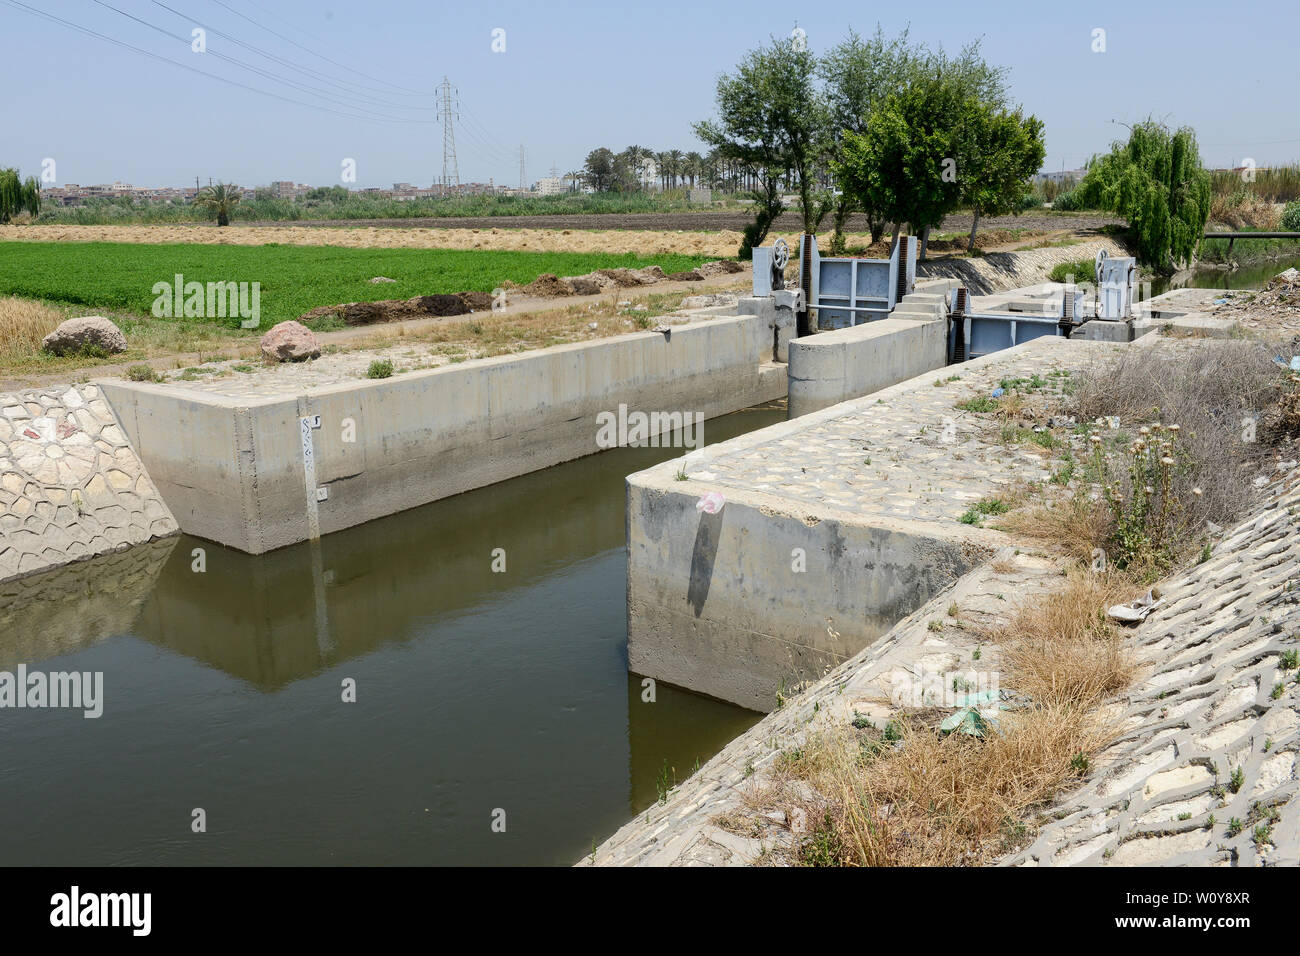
point(551, 186)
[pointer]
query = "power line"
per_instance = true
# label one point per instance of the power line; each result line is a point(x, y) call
point(314, 74)
point(184, 66)
point(318, 55)
point(248, 66)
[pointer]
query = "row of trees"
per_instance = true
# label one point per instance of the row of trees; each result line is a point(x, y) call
point(636, 167)
point(885, 127)
point(17, 195)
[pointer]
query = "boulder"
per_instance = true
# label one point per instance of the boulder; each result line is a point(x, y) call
point(75, 335)
point(290, 342)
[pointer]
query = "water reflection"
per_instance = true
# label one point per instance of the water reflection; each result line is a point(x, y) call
point(475, 690)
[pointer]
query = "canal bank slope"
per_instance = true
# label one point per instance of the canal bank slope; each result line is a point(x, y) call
point(71, 485)
point(1208, 734)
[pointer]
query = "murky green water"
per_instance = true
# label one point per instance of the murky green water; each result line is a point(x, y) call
point(475, 691)
point(1247, 277)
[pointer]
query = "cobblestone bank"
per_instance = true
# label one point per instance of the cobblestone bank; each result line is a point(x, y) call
point(71, 486)
point(999, 271)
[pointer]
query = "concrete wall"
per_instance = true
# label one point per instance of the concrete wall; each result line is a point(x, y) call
point(715, 604)
point(233, 471)
point(832, 367)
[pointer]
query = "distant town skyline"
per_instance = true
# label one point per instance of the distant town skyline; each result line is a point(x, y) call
point(293, 89)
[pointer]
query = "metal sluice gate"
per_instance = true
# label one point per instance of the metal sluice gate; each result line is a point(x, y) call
point(975, 334)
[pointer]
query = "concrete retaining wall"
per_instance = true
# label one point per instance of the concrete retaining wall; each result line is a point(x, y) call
point(833, 367)
point(718, 606)
point(234, 471)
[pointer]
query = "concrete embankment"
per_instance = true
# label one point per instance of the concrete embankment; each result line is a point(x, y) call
point(258, 472)
point(1208, 745)
point(833, 367)
point(71, 486)
point(836, 524)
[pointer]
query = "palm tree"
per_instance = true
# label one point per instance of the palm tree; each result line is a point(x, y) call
point(676, 162)
point(220, 199)
point(694, 167)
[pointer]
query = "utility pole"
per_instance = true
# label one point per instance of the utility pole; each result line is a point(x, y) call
point(521, 166)
point(450, 168)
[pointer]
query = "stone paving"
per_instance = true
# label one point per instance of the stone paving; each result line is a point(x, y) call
point(682, 831)
point(71, 486)
point(904, 452)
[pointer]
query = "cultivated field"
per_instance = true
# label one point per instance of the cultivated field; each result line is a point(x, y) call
point(293, 278)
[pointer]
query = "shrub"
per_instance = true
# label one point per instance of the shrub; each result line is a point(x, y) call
point(142, 373)
point(1290, 221)
point(1083, 270)
point(1068, 201)
point(380, 368)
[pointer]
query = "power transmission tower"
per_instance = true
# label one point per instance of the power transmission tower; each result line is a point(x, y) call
point(450, 168)
point(521, 165)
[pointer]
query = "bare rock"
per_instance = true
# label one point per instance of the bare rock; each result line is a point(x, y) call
point(89, 331)
point(708, 301)
point(290, 342)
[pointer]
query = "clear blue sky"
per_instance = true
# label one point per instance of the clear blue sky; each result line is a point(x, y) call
point(581, 74)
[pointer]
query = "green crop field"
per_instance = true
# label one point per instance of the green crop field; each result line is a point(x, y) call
point(293, 279)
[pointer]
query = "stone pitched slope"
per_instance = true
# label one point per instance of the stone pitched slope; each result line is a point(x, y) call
point(1212, 729)
point(71, 486)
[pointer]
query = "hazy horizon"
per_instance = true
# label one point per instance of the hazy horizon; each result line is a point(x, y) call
point(570, 79)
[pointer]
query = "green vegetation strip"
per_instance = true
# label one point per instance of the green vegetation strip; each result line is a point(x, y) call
point(293, 279)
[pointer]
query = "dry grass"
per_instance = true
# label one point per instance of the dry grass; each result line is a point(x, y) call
point(1244, 210)
point(1076, 525)
point(23, 324)
point(907, 796)
point(1063, 652)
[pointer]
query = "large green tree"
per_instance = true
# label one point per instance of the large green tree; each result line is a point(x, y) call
point(220, 200)
point(860, 75)
point(1157, 183)
point(908, 161)
point(1006, 148)
point(770, 117)
point(598, 170)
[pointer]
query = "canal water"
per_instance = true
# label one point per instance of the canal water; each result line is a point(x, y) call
point(1252, 276)
point(480, 695)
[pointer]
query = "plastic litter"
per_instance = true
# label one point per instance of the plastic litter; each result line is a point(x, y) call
point(1135, 611)
point(711, 503)
point(998, 392)
point(967, 720)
